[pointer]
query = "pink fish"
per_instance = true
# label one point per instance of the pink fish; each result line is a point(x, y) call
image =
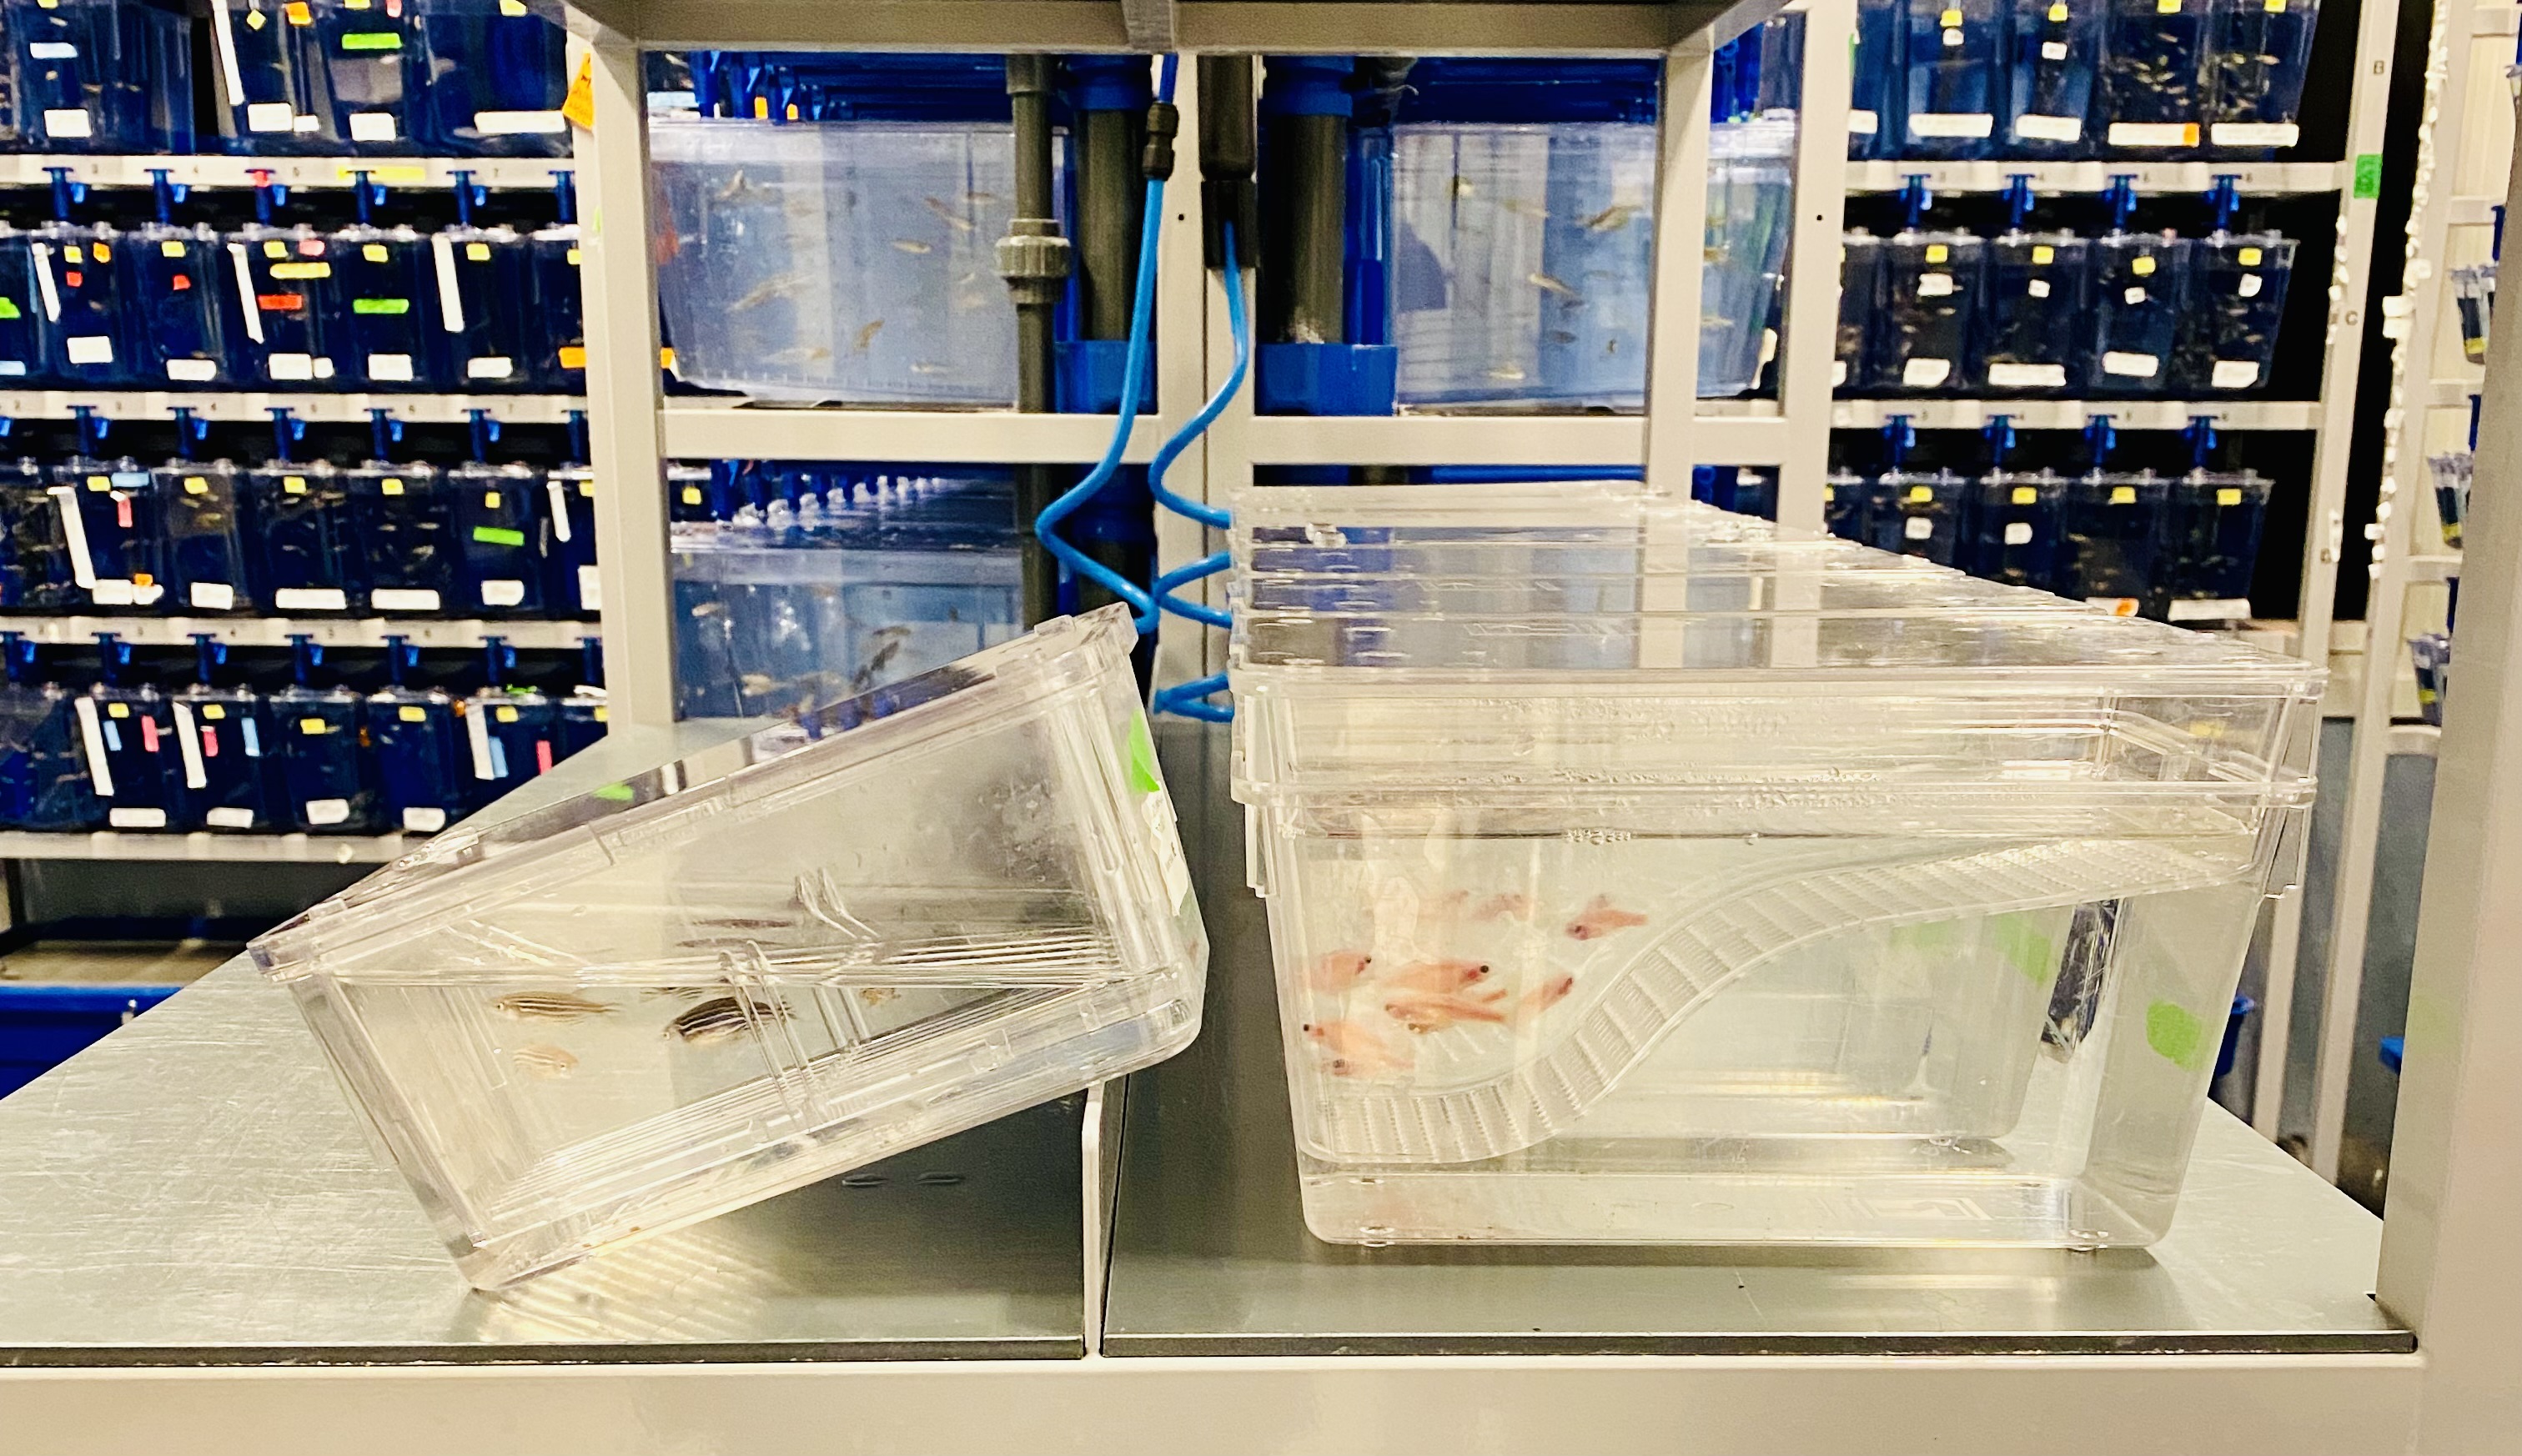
point(1356, 1051)
point(1543, 997)
point(1499, 906)
point(1437, 977)
point(1423, 1012)
point(1599, 917)
point(1338, 971)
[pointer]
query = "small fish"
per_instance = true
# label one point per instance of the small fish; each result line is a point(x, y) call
point(1543, 997)
point(981, 199)
point(1548, 284)
point(1611, 345)
point(738, 185)
point(1599, 917)
point(802, 355)
point(673, 993)
point(877, 995)
point(1524, 207)
point(548, 1005)
point(776, 288)
point(1356, 1051)
point(718, 943)
point(1462, 187)
point(912, 245)
point(1561, 337)
point(924, 366)
point(1508, 373)
point(1339, 971)
point(1616, 215)
point(954, 219)
point(866, 337)
point(1437, 977)
point(544, 1063)
point(722, 1018)
point(1501, 907)
point(894, 633)
point(1423, 1012)
point(746, 923)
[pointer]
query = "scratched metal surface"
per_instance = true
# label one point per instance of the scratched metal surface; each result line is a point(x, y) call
point(1211, 1255)
point(193, 1189)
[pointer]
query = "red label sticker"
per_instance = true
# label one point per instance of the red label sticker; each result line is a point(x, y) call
point(209, 742)
point(542, 756)
point(183, 281)
point(148, 734)
point(280, 303)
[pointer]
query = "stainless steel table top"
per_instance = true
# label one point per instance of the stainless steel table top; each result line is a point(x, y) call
point(1211, 1255)
point(195, 1190)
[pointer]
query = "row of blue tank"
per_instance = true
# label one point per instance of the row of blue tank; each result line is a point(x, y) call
point(114, 753)
point(95, 533)
point(375, 307)
point(319, 78)
point(2176, 547)
point(2075, 79)
point(2046, 312)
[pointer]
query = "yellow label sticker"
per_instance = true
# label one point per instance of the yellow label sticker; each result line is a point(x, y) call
point(573, 355)
point(490, 500)
point(374, 253)
point(74, 253)
point(2026, 495)
point(2142, 268)
point(255, 19)
point(666, 357)
point(2166, 7)
point(2122, 494)
point(571, 258)
point(1922, 493)
point(294, 485)
point(391, 486)
point(2042, 255)
point(104, 254)
point(2250, 257)
point(579, 106)
point(600, 714)
point(762, 107)
point(2274, 6)
point(2058, 13)
point(477, 252)
point(170, 249)
point(143, 579)
point(2228, 495)
point(311, 726)
point(194, 484)
point(586, 488)
point(505, 714)
point(411, 715)
point(295, 270)
point(100, 482)
point(692, 495)
point(512, 8)
point(1938, 253)
point(118, 709)
point(275, 249)
point(1952, 16)
point(298, 13)
point(213, 712)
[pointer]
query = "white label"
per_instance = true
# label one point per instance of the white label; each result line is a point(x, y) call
point(419, 821)
point(2254, 133)
point(372, 126)
point(2053, 50)
point(310, 599)
point(2133, 297)
point(477, 730)
point(1768, 347)
point(89, 348)
point(92, 735)
point(326, 810)
point(291, 366)
point(1838, 373)
point(228, 818)
point(2032, 126)
point(1925, 374)
point(243, 271)
point(214, 596)
point(188, 744)
point(489, 368)
point(1918, 527)
point(2131, 365)
point(1952, 38)
point(391, 369)
point(12, 368)
point(1935, 285)
point(193, 371)
point(1157, 809)
point(590, 595)
point(44, 283)
point(52, 50)
point(115, 591)
point(520, 124)
point(137, 818)
point(2038, 288)
point(269, 115)
point(1862, 123)
point(2249, 287)
point(404, 600)
point(502, 593)
point(2018, 533)
point(67, 123)
point(2152, 134)
point(557, 492)
point(223, 41)
point(304, 123)
point(74, 536)
point(2212, 609)
point(2027, 376)
point(323, 367)
point(451, 298)
point(1959, 125)
point(2234, 374)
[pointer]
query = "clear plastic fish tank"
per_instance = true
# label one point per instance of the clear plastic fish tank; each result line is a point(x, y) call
point(1925, 319)
point(2053, 50)
point(2451, 473)
point(2036, 314)
point(1640, 874)
point(852, 262)
point(2236, 301)
point(1954, 76)
point(891, 919)
point(2473, 290)
point(1524, 256)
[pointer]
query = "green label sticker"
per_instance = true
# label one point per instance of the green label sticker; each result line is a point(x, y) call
point(2176, 1035)
point(1143, 758)
point(9, 308)
point(2020, 941)
point(372, 40)
point(615, 793)
point(381, 305)
point(499, 536)
point(2368, 174)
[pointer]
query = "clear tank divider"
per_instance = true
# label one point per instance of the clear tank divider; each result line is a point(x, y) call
point(1672, 337)
point(1805, 353)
